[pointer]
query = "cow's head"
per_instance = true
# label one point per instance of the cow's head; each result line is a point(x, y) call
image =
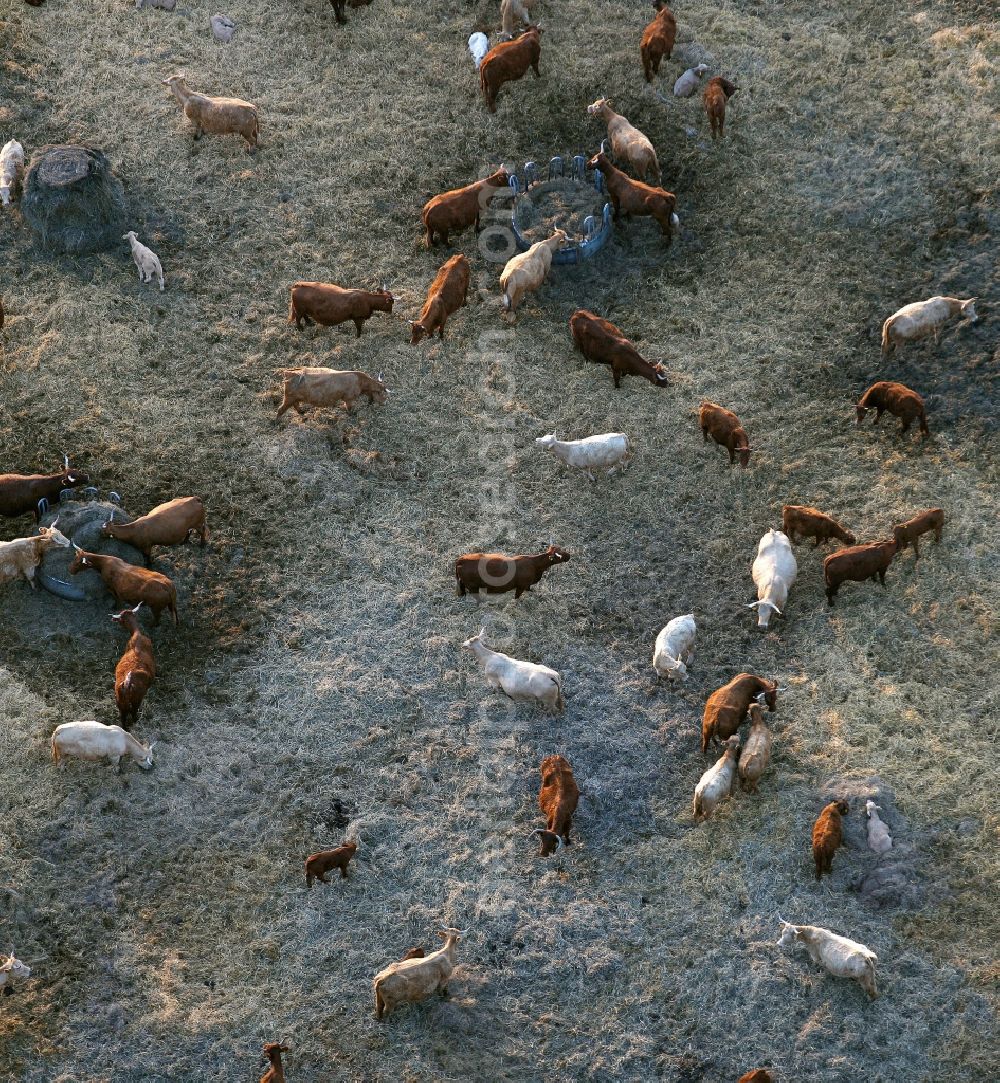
point(764, 612)
point(557, 555)
point(80, 561)
point(548, 842)
point(969, 309)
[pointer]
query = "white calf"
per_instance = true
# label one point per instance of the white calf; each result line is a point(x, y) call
point(674, 648)
point(145, 258)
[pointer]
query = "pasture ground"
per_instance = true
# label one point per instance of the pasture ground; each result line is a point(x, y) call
point(316, 686)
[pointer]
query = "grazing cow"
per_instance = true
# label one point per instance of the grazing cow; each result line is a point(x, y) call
point(774, 571)
point(479, 46)
point(526, 271)
point(716, 784)
point(600, 341)
point(12, 970)
point(896, 399)
point(497, 574)
point(11, 169)
point(907, 533)
point(508, 62)
point(628, 144)
point(718, 91)
point(19, 558)
point(21, 493)
point(879, 838)
point(129, 584)
point(454, 211)
point(657, 40)
point(557, 798)
point(828, 835)
point(756, 754)
point(856, 564)
point(319, 864)
point(171, 523)
point(634, 198)
point(674, 648)
point(448, 293)
point(521, 681)
point(329, 305)
point(217, 116)
point(725, 429)
point(273, 1050)
point(923, 318)
point(726, 708)
point(94, 741)
point(318, 387)
point(412, 980)
point(812, 523)
point(136, 669)
point(843, 958)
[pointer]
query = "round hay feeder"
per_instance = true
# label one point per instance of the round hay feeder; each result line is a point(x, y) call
point(81, 522)
point(72, 199)
point(571, 202)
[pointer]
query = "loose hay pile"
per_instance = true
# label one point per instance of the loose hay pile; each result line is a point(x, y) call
point(73, 201)
point(558, 204)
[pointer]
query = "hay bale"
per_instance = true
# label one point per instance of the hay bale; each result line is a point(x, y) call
point(72, 199)
point(81, 522)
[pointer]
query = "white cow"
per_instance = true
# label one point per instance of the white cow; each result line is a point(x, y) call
point(524, 681)
point(11, 169)
point(674, 648)
point(843, 958)
point(773, 573)
point(479, 46)
point(94, 741)
point(688, 83)
point(879, 838)
point(923, 318)
point(146, 260)
point(716, 784)
point(602, 452)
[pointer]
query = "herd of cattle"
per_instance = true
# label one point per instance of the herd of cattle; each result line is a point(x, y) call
point(743, 699)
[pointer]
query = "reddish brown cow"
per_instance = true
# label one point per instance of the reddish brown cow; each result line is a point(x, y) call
point(319, 864)
point(726, 708)
point(21, 493)
point(451, 212)
point(329, 305)
point(171, 523)
point(756, 1075)
point(129, 584)
point(908, 532)
point(273, 1051)
point(600, 341)
point(856, 564)
point(812, 523)
point(557, 799)
point(496, 573)
point(828, 836)
point(136, 669)
point(632, 197)
point(718, 91)
point(448, 293)
point(509, 61)
point(657, 40)
point(896, 399)
point(725, 429)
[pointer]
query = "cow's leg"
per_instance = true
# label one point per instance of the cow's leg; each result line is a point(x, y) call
point(358, 324)
point(704, 434)
point(916, 549)
point(881, 578)
point(343, 872)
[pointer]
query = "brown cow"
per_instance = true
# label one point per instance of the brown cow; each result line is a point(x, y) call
point(899, 400)
point(329, 305)
point(657, 40)
point(725, 429)
point(908, 532)
point(509, 61)
point(828, 836)
point(856, 564)
point(171, 523)
point(717, 92)
point(273, 1050)
point(496, 573)
point(812, 523)
point(318, 864)
point(136, 669)
point(451, 212)
point(756, 1075)
point(448, 293)
point(600, 341)
point(632, 197)
point(328, 387)
point(129, 584)
point(21, 493)
point(726, 708)
point(557, 798)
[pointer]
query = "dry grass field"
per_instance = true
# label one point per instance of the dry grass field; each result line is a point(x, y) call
point(316, 686)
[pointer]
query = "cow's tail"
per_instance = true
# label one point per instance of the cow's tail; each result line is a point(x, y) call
point(55, 748)
point(886, 342)
point(293, 313)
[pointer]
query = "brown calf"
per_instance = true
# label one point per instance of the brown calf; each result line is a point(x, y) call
point(828, 836)
point(717, 92)
point(448, 293)
point(329, 305)
point(657, 40)
point(756, 1075)
point(171, 523)
point(907, 533)
point(856, 564)
point(896, 399)
point(725, 429)
point(557, 798)
point(136, 669)
point(317, 865)
point(632, 197)
point(451, 212)
point(600, 341)
point(21, 493)
point(726, 708)
point(812, 523)
point(129, 584)
point(318, 387)
point(509, 61)
point(497, 574)
point(273, 1050)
